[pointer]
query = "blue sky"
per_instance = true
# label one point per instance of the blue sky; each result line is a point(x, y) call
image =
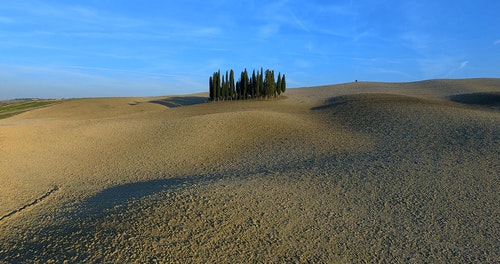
point(96, 48)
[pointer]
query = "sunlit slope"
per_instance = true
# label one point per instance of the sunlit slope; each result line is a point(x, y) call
point(90, 144)
point(426, 89)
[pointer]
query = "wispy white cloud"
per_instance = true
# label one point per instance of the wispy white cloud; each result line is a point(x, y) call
point(463, 64)
point(63, 17)
point(497, 42)
point(299, 23)
point(306, 17)
point(93, 31)
point(392, 69)
point(70, 81)
point(442, 67)
point(345, 9)
point(435, 67)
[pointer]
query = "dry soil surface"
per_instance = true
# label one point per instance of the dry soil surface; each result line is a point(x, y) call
point(358, 172)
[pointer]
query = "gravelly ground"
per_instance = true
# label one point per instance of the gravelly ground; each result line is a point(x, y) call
point(390, 173)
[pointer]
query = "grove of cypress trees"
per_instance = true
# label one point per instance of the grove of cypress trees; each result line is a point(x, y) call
point(255, 86)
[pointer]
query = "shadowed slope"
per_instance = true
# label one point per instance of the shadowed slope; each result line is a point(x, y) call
point(172, 102)
point(479, 99)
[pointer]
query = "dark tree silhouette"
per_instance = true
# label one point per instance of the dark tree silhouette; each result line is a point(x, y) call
point(211, 88)
point(244, 81)
point(257, 85)
point(217, 86)
point(269, 84)
point(283, 84)
point(278, 84)
point(231, 84)
point(260, 84)
point(226, 86)
point(253, 84)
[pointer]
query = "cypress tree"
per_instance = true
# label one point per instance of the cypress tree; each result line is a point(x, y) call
point(231, 84)
point(269, 83)
point(222, 88)
point(218, 82)
point(265, 84)
point(283, 84)
point(211, 88)
point(245, 83)
point(226, 86)
point(257, 85)
point(222, 85)
point(216, 92)
point(278, 84)
point(273, 85)
point(242, 85)
point(253, 82)
point(238, 90)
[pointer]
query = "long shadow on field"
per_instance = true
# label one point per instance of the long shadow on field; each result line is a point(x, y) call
point(84, 225)
point(81, 223)
point(330, 103)
point(172, 102)
point(121, 194)
point(491, 99)
point(87, 224)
